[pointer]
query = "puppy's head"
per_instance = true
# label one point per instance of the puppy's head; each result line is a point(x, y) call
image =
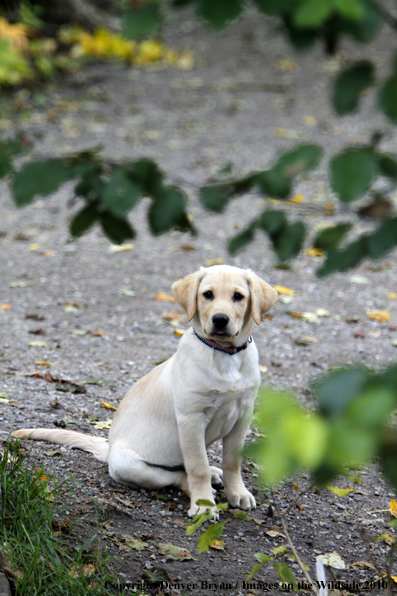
point(223, 301)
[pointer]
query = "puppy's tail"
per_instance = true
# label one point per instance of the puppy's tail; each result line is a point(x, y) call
point(98, 446)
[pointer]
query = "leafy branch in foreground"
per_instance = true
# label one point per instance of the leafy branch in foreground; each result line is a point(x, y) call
point(34, 552)
point(110, 191)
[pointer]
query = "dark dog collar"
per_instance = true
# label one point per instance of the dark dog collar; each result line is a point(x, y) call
point(227, 350)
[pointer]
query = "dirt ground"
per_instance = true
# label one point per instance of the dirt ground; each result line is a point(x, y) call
point(248, 97)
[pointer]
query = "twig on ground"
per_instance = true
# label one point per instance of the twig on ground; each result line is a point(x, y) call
point(294, 552)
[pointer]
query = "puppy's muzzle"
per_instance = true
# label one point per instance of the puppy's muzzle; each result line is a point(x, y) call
point(220, 323)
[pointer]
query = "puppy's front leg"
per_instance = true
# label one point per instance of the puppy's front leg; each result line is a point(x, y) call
point(192, 441)
point(235, 491)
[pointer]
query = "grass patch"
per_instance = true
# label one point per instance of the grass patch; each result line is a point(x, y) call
point(38, 550)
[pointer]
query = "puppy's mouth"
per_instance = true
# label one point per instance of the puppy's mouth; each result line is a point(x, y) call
point(221, 334)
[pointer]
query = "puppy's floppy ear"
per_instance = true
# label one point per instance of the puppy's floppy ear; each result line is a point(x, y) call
point(185, 292)
point(263, 296)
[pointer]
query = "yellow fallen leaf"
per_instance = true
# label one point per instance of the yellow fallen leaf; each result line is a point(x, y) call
point(393, 508)
point(5, 307)
point(286, 65)
point(217, 544)
point(103, 424)
point(108, 406)
point(298, 199)
point(179, 332)
point(309, 121)
point(33, 246)
point(163, 297)
point(340, 492)
point(332, 560)
point(120, 247)
point(211, 262)
point(43, 363)
point(263, 368)
point(284, 133)
point(314, 252)
point(392, 296)
point(382, 316)
point(283, 290)
point(46, 253)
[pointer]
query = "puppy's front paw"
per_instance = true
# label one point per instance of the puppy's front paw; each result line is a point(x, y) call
point(240, 498)
point(198, 510)
point(216, 476)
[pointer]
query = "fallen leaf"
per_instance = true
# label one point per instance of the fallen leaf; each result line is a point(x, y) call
point(179, 332)
point(286, 65)
point(43, 363)
point(352, 320)
point(120, 247)
point(309, 121)
point(322, 312)
point(163, 297)
point(358, 279)
point(332, 560)
point(104, 424)
point(385, 538)
point(180, 554)
point(128, 542)
point(391, 296)
point(37, 331)
point(382, 316)
point(4, 400)
point(47, 253)
point(126, 292)
point(33, 246)
point(173, 316)
point(5, 307)
point(126, 502)
point(393, 508)
point(37, 344)
point(211, 262)
point(217, 544)
point(82, 570)
point(298, 199)
point(306, 340)
point(362, 565)
point(314, 252)
point(329, 208)
point(97, 333)
point(275, 534)
point(22, 284)
point(287, 291)
point(359, 335)
point(340, 492)
point(374, 334)
point(263, 368)
point(108, 406)
point(284, 133)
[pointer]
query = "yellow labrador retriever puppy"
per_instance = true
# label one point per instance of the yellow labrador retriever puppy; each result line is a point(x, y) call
point(204, 392)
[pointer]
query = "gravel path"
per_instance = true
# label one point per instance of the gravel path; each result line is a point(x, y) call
point(248, 97)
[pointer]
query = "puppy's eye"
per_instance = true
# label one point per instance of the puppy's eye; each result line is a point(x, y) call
point(238, 297)
point(209, 295)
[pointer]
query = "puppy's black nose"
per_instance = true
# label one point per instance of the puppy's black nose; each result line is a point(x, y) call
point(220, 321)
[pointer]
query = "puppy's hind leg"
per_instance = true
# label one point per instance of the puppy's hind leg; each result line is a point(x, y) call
point(127, 467)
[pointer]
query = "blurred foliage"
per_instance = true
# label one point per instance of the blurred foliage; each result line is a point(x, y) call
point(350, 426)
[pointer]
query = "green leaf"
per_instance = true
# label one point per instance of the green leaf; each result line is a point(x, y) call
point(329, 238)
point(301, 158)
point(167, 212)
point(273, 184)
point(7, 150)
point(288, 243)
point(365, 28)
point(301, 39)
point(116, 229)
point(288, 576)
point(350, 84)
point(340, 492)
point(272, 222)
point(213, 532)
point(350, 9)
point(388, 99)
point(121, 193)
point(337, 390)
point(274, 7)
point(215, 197)
point(312, 13)
point(263, 559)
point(148, 175)
point(219, 13)
point(142, 21)
point(90, 186)
point(84, 219)
point(387, 165)
point(39, 178)
point(352, 173)
point(347, 258)
point(383, 239)
point(240, 241)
